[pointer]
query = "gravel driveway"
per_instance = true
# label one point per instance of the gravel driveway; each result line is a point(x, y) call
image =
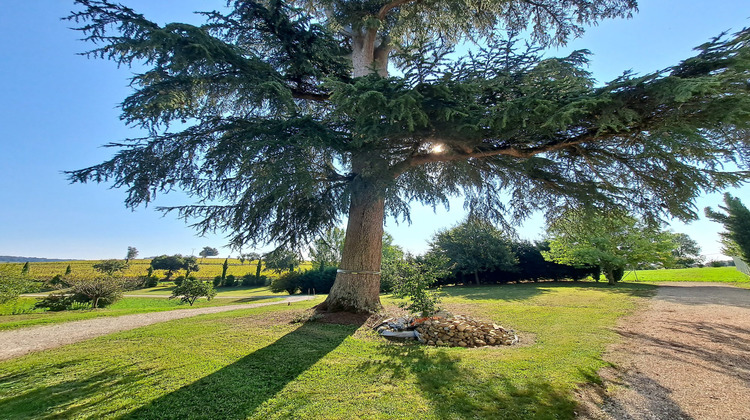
point(686, 356)
point(18, 342)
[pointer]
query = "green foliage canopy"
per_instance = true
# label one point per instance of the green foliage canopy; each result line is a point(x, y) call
point(170, 263)
point(474, 246)
point(611, 241)
point(686, 251)
point(191, 289)
point(279, 133)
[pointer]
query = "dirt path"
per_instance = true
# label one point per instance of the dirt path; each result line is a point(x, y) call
point(18, 342)
point(687, 356)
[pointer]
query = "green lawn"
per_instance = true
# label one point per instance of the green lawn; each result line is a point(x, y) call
point(708, 274)
point(256, 364)
point(125, 306)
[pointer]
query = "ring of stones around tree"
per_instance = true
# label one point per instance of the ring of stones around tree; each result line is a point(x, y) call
point(450, 330)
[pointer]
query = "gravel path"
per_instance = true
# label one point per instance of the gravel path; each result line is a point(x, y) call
point(18, 342)
point(686, 356)
point(169, 296)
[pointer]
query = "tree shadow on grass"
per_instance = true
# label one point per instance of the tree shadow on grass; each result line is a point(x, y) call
point(237, 390)
point(455, 391)
point(65, 399)
point(524, 291)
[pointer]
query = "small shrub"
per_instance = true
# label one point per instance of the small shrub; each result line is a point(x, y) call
point(217, 281)
point(77, 306)
point(288, 282)
point(316, 281)
point(191, 289)
point(413, 279)
point(57, 281)
point(134, 283)
point(151, 281)
point(230, 281)
point(55, 302)
point(248, 280)
point(100, 291)
point(178, 280)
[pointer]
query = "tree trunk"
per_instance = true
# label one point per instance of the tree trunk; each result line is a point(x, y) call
point(476, 277)
point(357, 285)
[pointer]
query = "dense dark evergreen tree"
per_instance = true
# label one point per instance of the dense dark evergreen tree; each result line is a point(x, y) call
point(292, 120)
point(736, 221)
point(474, 247)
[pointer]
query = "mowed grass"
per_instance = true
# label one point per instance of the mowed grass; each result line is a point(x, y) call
point(165, 289)
point(125, 306)
point(257, 364)
point(705, 274)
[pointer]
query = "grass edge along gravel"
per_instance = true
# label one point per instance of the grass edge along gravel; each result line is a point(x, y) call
point(703, 274)
point(256, 364)
point(125, 306)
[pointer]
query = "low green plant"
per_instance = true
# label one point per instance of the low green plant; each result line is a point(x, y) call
point(178, 280)
point(218, 281)
point(100, 291)
point(317, 281)
point(414, 276)
point(252, 280)
point(191, 289)
point(55, 302)
point(151, 280)
point(288, 282)
point(230, 281)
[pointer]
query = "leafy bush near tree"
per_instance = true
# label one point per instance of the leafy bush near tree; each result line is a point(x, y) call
point(317, 281)
point(311, 281)
point(191, 289)
point(253, 280)
point(178, 280)
point(288, 282)
point(413, 279)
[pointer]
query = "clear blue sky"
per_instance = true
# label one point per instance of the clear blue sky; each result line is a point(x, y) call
point(57, 108)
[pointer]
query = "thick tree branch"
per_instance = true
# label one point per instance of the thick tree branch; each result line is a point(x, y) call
point(319, 97)
point(392, 5)
point(455, 154)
